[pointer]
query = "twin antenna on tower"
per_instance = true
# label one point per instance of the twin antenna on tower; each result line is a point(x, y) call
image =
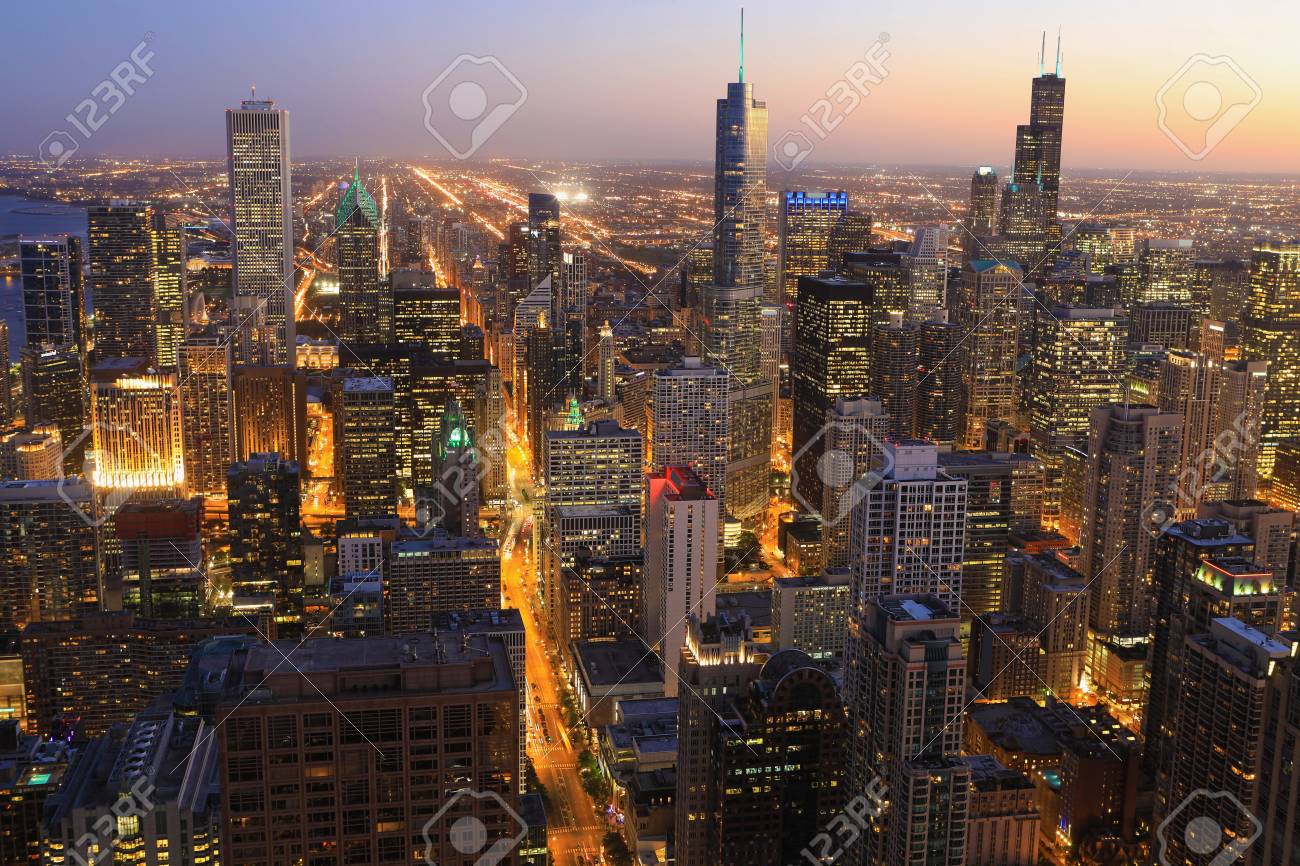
point(1042, 52)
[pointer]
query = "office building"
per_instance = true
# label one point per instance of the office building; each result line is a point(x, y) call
point(53, 294)
point(1004, 494)
point(855, 434)
point(1160, 323)
point(939, 379)
point(101, 669)
point(989, 320)
point(207, 412)
point(160, 570)
point(832, 360)
point(366, 447)
point(1239, 416)
point(719, 661)
point(425, 315)
point(810, 614)
point(32, 454)
point(48, 569)
point(54, 391)
point(689, 422)
point(909, 529)
point(599, 598)
point(1189, 386)
point(894, 356)
point(137, 430)
point(981, 217)
point(1165, 265)
point(904, 687)
point(731, 305)
point(440, 574)
point(149, 789)
point(120, 245)
point(853, 233)
point(1217, 734)
point(365, 296)
point(270, 412)
point(264, 496)
point(381, 702)
point(805, 222)
point(261, 193)
point(167, 239)
point(682, 533)
point(544, 255)
point(1271, 332)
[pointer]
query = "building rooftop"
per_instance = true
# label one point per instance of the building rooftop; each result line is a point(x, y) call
point(621, 662)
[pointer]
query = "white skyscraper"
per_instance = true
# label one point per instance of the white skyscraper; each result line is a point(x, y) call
point(689, 424)
point(681, 556)
point(856, 431)
point(261, 190)
point(909, 529)
point(928, 259)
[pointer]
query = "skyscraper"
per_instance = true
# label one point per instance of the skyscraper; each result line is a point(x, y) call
point(544, 256)
point(1271, 333)
point(120, 241)
point(137, 429)
point(894, 373)
point(53, 303)
point(981, 218)
point(261, 192)
point(689, 422)
point(681, 558)
point(856, 431)
point(207, 412)
point(804, 225)
point(1165, 265)
point(832, 359)
point(904, 684)
point(1190, 385)
point(270, 412)
point(1133, 454)
point(54, 390)
point(731, 305)
point(939, 379)
point(988, 315)
point(47, 552)
point(1029, 203)
point(365, 296)
point(167, 235)
point(605, 365)
point(266, 550)
point(368, 459)
point(851, 234)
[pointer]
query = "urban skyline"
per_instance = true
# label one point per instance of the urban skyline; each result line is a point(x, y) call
point(499, 511)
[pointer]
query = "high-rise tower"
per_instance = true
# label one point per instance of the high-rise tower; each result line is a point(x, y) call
point(261, 190)
point(365, 298)
point(732, 303)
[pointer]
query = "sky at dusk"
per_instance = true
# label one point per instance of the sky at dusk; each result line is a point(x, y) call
point(637, 79)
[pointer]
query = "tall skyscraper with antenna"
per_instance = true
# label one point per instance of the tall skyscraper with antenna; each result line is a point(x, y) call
point(261, 191)
point(732, 303)
point(1029, 202)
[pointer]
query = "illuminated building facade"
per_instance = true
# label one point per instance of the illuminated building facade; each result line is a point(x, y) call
point(982, 214)
point(161, 572)
point(167, 239)
point(832, 360)
point(120, 243)
point(261, 192)
point(682, 531)
point(137, 429)
point(544, 255)
point(425, 315)
point(207, 412)
point(1271, 332)
point(804, 225)
point(988, 316)
point(894, 373)
point(365, 297)
point(852, 234)
point(689, 421)
point(266, 545)
point(367, 447)
point(1165, 265)
point(270, 412)
point(939, 379)
point(54, 391)
point(856, 429)
point(53, 295)
point(48, 568)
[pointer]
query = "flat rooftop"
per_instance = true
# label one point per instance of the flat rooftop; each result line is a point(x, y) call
point(621, 662)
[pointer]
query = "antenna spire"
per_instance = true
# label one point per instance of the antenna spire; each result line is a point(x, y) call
point(742, 45)
point(253, 92)
point(1042, 53)
point(1058, 51)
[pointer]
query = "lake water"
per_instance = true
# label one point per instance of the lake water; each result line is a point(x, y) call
point(18, 216)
